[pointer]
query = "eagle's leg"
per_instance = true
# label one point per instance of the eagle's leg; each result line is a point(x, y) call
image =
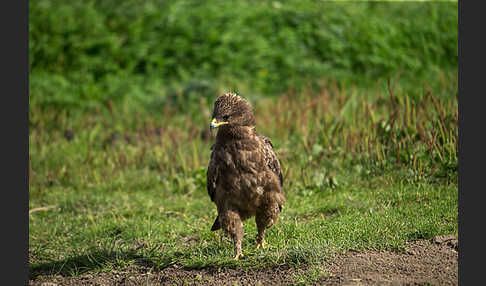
point(265, 217)
point(234, 226)
point(260, 239)
point(262, 223)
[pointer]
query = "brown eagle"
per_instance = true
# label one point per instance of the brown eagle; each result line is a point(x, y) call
point(244, 176)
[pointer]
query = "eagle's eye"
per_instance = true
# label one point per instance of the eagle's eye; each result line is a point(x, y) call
point(226, 117)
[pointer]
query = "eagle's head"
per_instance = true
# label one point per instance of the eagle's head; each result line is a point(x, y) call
point(231, 110)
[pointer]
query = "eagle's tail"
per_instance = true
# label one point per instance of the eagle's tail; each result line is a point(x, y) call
point(216, 224)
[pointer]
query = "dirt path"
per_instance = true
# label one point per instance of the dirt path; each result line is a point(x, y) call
point(425, 262)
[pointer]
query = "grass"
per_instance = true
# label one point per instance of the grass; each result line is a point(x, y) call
point(363, 169)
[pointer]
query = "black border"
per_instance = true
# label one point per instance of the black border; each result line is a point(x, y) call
point(460, 185)
point(15, 142)
point(471, 142)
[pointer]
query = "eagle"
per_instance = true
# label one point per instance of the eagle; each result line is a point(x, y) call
point(244, 175)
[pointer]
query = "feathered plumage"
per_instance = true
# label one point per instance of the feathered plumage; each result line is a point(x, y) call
point(244, 176)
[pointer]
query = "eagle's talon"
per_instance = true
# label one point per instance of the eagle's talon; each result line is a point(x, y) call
point(262, 244)
point(238, 256)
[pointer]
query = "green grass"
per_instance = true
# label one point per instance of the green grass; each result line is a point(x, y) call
point(363, 169)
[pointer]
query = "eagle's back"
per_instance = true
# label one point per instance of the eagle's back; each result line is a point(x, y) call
point(241, 170)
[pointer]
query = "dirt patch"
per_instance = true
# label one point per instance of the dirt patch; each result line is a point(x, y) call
point(176, 275)
point(424, 262)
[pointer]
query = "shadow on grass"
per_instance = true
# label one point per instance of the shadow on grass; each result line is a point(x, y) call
point(104, 260)
point(97, 260)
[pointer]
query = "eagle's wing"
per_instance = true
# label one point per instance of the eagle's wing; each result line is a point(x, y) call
point(211, 178)
point(271, 158)
point(212, 175)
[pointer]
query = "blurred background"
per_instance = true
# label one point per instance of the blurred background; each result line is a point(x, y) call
point(87, 55)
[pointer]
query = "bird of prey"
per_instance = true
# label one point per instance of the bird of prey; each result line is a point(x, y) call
point(244, 176)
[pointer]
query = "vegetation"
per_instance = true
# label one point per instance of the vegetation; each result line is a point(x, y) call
point(90, 53)
point(359, 173)
point(361, 107)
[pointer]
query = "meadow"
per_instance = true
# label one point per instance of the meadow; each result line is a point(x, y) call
point(359, 173)
point(117, 158)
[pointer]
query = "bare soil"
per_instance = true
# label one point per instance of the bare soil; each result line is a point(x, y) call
point(424, 262)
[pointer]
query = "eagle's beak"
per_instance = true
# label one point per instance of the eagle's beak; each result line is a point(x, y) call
point(216, 124)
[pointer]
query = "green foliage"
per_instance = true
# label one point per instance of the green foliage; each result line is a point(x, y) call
point(88, 53)
point(360, 172)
